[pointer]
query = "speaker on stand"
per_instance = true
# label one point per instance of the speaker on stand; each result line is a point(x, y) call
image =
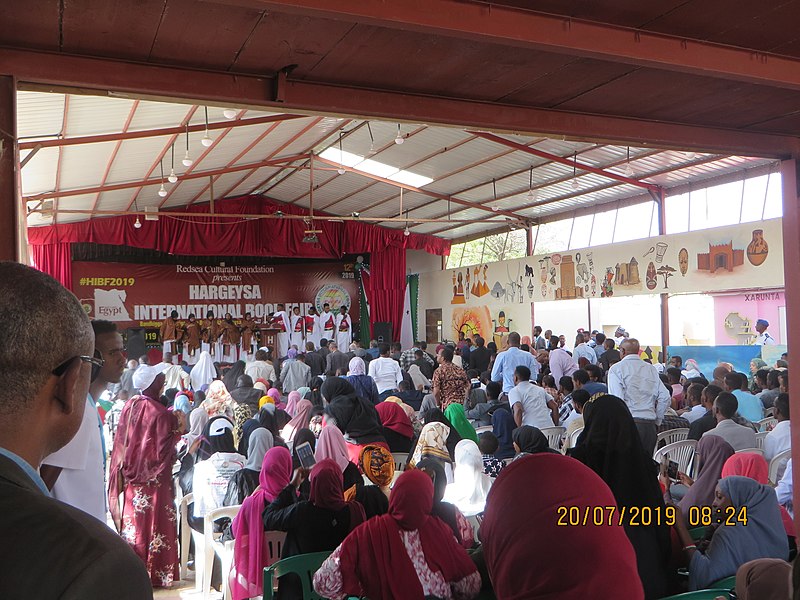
point(382, 332)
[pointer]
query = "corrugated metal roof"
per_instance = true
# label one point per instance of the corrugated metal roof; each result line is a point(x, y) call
point(458, 162)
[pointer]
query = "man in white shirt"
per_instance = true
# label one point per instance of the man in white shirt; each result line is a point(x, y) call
point(298, 325)
point(176, 377)
point(583, 350)
point(780, 438)
point(260, 368)
point(638, 385)
point(75, 474)
point(313, 327)
point(784, 490)
point(386, 373)
point(280, 321)
point(530, 404)
point(694, 394)
point(738, 436)
point(327, 321)
point(764, 338)
point(344, 329)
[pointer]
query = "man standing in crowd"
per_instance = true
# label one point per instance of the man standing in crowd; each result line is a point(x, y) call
point(280, 321)
point(583, 350)
point(76, 473)
point(530, 404)
point(385, 372)
point(336, 361)
point(450, 383)
point(507, 361)
point(610, 355)
point(561, 363)
point(780, 438)
point(260, 368)
point(539, 343)
point(176, 377)
point(46, 389)
point(479, 356)
point(328, 323)
point(295, 373)
point(738, 436)
point(314, 360)
point(640, 387)
point(764, 338)
point(297, 323)
point(407, 358)
point(313, 328)
point(169, 334)
point(344, 329)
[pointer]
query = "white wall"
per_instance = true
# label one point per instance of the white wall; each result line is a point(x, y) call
point(419, 261)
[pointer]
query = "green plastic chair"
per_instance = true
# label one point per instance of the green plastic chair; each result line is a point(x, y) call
point(697, 533)
point(700, 595)
point(729, 583)
point(305, 565)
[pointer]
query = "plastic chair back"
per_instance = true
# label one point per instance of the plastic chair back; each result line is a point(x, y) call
point(183, 511)
point(482, 428)
point(573, 439)
point(553, 435)
point(753, 450)
point(729, 583)
point(671, 436)
point(777, 465)
point(213, 545)
point(765, 424)
point(400, 460)
point(760, 439)
point(681, 452)
point(304, 565)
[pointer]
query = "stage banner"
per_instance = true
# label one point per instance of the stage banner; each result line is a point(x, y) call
point(143, 295)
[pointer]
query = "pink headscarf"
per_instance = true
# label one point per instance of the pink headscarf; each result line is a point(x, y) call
point(526, 340)
point(300, 419)
point(247, 576)
point(331, 445)
point(275, 395)
point(291, 405)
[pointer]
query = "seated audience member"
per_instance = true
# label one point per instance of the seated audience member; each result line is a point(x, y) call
point(321, 523)
point(355, 417)
point(411, 397)
point(749, 406)
point(780, 438)
point(549, 385)
point(397, 427)
point(449, 513)
point(482, 413)
point(772, 389)
point(332, 445)
point(520, 566)
point(418, 378)
point(672, 420)
point(708, 421)
point(303, 436)
point(764, 578)
point(738, 436)
point(452, 438)
point(530, 440)
point(581, 380)
point(575, 420)
point(246, 480)
point(51, 549)
point(674, 380)
point(530, 404)
point(362, 383)
point(477, 392)
point(783, 380)
point(691, 369)
point(247, 576)
point(403, 554)
point(377, 464)
point(455, 414)
point(470, 484)
point(245, 393)
point(719, 373)
point(734, 544)
point(503, 426)
point(566, 387)
point(611, 446)
point(695, 408)
point(783, 490)
point(709, 458)
point(301, 420)
point(488, 444)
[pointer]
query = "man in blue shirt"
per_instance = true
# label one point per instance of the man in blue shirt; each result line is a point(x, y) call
point(750, 406)
point(582, 381)
point(510, 359)
point(582, 350)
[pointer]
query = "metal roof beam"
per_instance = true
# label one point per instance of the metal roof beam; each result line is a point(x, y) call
point(115, 151)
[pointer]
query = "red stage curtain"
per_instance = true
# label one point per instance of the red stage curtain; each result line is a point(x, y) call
point(386, 287)
point(56, 261)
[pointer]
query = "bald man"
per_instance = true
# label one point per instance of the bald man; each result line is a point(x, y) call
point(41, 409)
point(638, 385)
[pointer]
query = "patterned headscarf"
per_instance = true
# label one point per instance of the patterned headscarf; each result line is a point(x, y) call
point(378, 464)
point(218, 401)
point(432, 442)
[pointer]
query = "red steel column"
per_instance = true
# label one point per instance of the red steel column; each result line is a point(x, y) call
point(662, 230)
point(791, 258)
point(9, 201)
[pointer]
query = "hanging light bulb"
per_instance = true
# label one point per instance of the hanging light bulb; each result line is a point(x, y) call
point(399, 139)
point(341, 170)
point(371, 140)
point(162, 191)
point(495, 207)
point(206, 141)
point(532, 194)
point(628, 167)
point(137, 224)
point(172, 177)
point(406, 232)
point(575, 184)
point(187, 160)
point(229, 113)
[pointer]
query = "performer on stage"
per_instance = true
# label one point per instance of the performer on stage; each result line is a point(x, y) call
point(344, 329)
point(297, 321)
point(249, 333)
point(210, 336)
point(191, 337)
point(327, 322)
point(170, 334)
point(230, 340)
point(313, 328)
point(280, 321)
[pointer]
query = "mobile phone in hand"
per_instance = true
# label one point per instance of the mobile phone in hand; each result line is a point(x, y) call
point(306, 455)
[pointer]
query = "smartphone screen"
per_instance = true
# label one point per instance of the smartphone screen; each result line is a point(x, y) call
point(672, 470)
point(306, 455)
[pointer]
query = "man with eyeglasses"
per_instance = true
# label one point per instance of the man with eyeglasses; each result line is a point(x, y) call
point(75, 474)
point(42, 405)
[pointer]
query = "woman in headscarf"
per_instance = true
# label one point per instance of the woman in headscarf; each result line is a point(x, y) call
point(610, 445)
point(449, 513)
point(503, 426)
point(378, 466)
point(268, 421)
point(764, 578)
point(355, 417)
point(397, 427)
point(300, 421)
point(305, 393)
point(332, 445)
point(710, 455)
point(261, 386)
point(362, 383)
point(275, 394)
point(232, 375)
point(182, 404)
point(691, 369)
point(751, 529)
point(316, 394)
point(455, 414)
point(432, 443)
point(435, 415)
point(418, 377)
point(291, 402)
point(530, 440)
point(376, 560)
point(755, 365)
point(218, 401)
point(247, 430)
point(521, 564)
point(319, 524)
point(245, 481)
point(470, 484)
point(204, 372)
point(301, 437)
point(247, 575)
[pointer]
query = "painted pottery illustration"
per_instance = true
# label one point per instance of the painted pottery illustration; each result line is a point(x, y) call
point(757, 249)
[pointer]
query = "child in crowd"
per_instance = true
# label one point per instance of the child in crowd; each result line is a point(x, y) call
point(488, 444)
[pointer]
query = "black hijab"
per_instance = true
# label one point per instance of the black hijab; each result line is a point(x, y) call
point(247, 429)
point(531, 440)
point(268, 421)
point(355, 417)
point(301, 437)
point(212, 444)
point(316, 395)
point(444, 510)
point(233, 374)
point(168, 399)
point(435, 415)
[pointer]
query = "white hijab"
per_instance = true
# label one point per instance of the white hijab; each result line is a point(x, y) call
point(203, 372)
point(417, 377)
point(470, 484)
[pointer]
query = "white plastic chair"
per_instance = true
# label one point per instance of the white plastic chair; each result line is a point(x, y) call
point(553, 435)
point(482, 428)
point(751, 450)
point(183, 510)
point(681, 452)
point(778, 465)
point(273, 545)
point(214, 545)
point(763, 424)
point(671, 436)
point(760, 438)
point(400, 460)
point(573, 439)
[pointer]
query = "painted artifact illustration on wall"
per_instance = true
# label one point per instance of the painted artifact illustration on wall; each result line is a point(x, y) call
point(757, 249)
point(471, 322)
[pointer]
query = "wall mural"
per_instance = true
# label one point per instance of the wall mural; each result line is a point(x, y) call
point(710, 260)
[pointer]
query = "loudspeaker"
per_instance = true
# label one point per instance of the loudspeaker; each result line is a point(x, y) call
point(134, 343)
point(382, 332)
